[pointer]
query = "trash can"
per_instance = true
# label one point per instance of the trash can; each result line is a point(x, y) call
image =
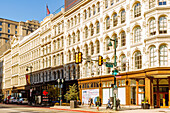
point(73, 104)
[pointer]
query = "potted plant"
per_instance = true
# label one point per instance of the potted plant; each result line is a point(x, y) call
point(145, 104)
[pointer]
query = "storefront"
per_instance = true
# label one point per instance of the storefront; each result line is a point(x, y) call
point(152, 85)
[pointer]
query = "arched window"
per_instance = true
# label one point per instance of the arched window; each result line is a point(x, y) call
point(54, 73)
point(123, 63)
point(74, 72)
point(115, 21)
point(97, 46)
point(58, 28)
point(58, 59)
point(92, 48)
point(86, 32)
point(74, 38)
point(69, 38)
point(98, 7)
point(107, 22)
point(152, 26)
point(54, 57)
point(137, 10)
point(137, 34)
point(123, 39)
point(78, 35)
point(92, 30)
point(58, 40)
point(46, 62)
point(153, 56)
point(69, 73)
point(106, 43)
point(74, 54)
point(163, 55)
point(162, 2)
point(94, 10)
point(111, 2)
point(115, 36)
point(50, 61)
point(97, 27)
point(85, 14)
point(151, 3)
point(43, 63)
point(68, 23)
point(123, 16)
point(54, 45)
point(75, 20)
point(162, 25)
point(78, 18)
point(69, 55)
point(71, 22)
point(106, 3)
point(138, 60)
point(86, 50)
point(89, 11)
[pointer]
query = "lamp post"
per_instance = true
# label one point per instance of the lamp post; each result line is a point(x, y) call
point(115, 71)
point(27, 69)
point(60, 85)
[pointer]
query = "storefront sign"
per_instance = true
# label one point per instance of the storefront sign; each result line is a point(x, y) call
point(28, 79)
point(90, 93)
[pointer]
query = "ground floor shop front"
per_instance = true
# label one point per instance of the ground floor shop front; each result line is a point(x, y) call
point(151, 85)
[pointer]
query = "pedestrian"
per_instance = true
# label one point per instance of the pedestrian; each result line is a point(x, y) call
point(108, 103)
point(118, 103)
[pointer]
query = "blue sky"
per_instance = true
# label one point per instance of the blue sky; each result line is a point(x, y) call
point(22, 10)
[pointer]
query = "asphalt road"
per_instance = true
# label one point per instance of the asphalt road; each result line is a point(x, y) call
point(9, 108)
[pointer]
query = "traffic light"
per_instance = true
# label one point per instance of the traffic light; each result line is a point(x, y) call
point(78, 57)
point(100, 60)
point(115, 72)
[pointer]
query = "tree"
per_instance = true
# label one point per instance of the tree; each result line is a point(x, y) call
point(72, 93)
point(53, 91)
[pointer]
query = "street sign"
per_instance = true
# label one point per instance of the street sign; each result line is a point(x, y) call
point(109, 65)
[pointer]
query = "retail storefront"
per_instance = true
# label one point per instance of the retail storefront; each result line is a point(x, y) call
point(133, 87)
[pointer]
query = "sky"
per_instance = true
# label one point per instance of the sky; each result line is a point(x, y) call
point(22, 10)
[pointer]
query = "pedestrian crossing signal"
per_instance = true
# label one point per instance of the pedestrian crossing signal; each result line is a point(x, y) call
point(100, 60)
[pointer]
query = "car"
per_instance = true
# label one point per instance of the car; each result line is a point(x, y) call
point(11, 100)
point(23, 101)
point(15, 100)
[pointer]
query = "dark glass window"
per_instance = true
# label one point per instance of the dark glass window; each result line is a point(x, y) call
point(0, 34)
point(16, 27)
point(15, 32)
point(8, 25)
point(0, 23)
point(8, 31)
point(0, 29)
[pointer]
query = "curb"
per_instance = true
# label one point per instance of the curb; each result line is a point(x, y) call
point(75, 110)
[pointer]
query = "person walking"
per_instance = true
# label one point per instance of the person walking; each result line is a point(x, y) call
point(108, 103)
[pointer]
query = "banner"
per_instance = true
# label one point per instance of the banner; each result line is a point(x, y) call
point(28, 79)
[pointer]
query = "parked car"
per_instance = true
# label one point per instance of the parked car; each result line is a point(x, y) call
point(15, 100)
point(11, 100)
point(23, 101)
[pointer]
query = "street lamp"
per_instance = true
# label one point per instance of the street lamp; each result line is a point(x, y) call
point(60, 85)
point(115, 71)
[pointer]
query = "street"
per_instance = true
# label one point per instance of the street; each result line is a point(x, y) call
point(9, 108)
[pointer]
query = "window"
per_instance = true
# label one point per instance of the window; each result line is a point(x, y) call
point(138, 60)
point(115, 19)
point(85, 14)
point(98, 7)
point(86, 32)
point(152, 26)
point(75, 20)
point(107, 46)
point(86, 48)
point(107, 23)
point(68, 24)
point(153, 56)
point(106, 3)
point(78, 18)
point(72, 22)
point(8, 25)
point(0, 34)
point(123, 63)
point(112, 2)
point(97, 47)
point(58, 28)
point(58, 43)
point(69, 55)
point(15, 26)
point(15, 32)
point(151, 3)
point(8, 36)
point(123, 16)
point(92, 30)
point(94, 10)
point(0, 23)
point(69, 38)
point(137, 10)
point(123, 39)
point(8, 31)
point(163, 55)
point(137, 34)
point(0, 29)
point(74, 38)
point(162, 2)
point(98, 27)
point(115, 36)
point(92, 48)
point(162, 25)
point(78, 35)
point(54, 57)
point(89, 12)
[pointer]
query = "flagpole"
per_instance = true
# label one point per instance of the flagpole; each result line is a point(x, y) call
point(46, 9)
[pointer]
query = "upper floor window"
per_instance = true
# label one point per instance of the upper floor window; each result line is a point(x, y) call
point(98, 7)
point(107, 23)
point(123, 39)
point(15, 26)
point(78, 18)
point(106, 43)
point(115, 20)
point(6, 41)
point(0, 23)
point(123, 63)
point(94, 10)
point(97, 27)
point(78, 35)
point(123, 16)
point(8, 30)
point(137, 34)
point(106, 3)
point(8, 25)
point(86, 32)
point(97, 46)
point(74, 38)
point(58, 28)
point(75, 20)
point(15, 32)
point(137, 10)
point(68, 24)
point(162, 25)
point(0, 29)
point(71, 21)
point(92, 30)
point(162, 2)
point(138, 60)
point(86, 50)
point(152, 26)
point(0, 34)
point(163, 55)
point(111, 2)
point(69, 55)
point(151, 3)
point(92, 48)
point(153, 56)
point(89, 12)
point(69, 38)
point(85, 14)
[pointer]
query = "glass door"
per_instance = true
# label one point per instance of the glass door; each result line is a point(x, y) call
point(164, 98)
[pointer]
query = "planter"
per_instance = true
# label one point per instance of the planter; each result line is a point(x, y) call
point(145, 106)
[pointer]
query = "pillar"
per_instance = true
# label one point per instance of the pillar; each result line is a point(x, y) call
point(128, 92)
point(149, 91)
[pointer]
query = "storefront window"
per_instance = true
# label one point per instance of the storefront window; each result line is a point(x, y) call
point(141, 89)
point(141, 82)
point(133, 82)
point(121, 82)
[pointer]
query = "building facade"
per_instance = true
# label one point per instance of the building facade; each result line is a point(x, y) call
point(142, 30)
